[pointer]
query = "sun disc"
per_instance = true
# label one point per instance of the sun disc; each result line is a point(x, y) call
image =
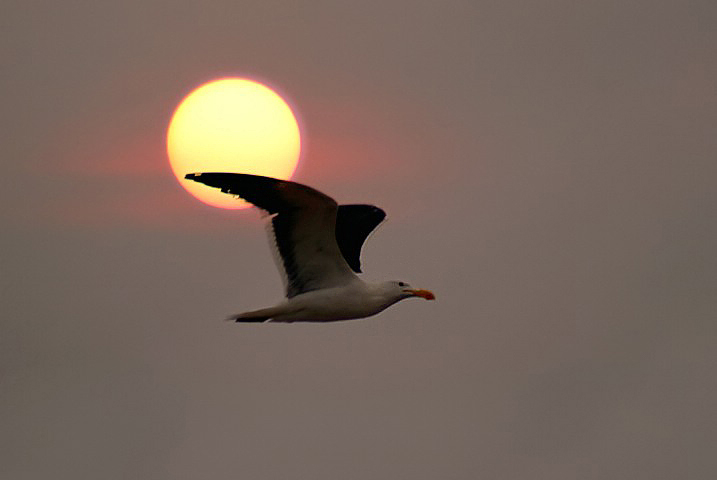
point(232, 125)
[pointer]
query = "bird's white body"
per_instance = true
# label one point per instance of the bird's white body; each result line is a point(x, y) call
point(357, 299)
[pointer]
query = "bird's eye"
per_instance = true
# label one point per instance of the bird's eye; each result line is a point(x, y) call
point(401, 284)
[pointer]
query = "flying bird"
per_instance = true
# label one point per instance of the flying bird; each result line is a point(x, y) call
point(319, 244)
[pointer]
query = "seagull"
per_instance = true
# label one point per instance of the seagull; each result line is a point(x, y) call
point(319, 244)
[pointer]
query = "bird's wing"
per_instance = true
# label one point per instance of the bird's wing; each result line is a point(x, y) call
point(354, 223)
point(304, 226)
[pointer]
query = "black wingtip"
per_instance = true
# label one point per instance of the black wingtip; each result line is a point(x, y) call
point(238, 319)
point(192, 176)
point(353, 225)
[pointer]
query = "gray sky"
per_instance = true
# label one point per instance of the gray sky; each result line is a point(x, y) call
point(548, 169)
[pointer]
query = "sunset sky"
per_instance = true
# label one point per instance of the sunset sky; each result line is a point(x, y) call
point(548, 169)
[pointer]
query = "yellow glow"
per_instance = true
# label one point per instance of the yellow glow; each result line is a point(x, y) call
point(232, 125)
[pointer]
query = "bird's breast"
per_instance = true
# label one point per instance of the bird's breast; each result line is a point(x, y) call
point(339, 303)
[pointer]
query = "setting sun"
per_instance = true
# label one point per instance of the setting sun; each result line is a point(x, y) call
point(232, 125)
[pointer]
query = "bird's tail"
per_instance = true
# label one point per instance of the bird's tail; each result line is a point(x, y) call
point(256, 316)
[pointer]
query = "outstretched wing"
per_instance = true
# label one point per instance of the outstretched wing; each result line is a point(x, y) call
point(304, 226)
point(354, 223)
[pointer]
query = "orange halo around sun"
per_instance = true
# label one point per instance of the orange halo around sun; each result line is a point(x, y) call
point(232, 125)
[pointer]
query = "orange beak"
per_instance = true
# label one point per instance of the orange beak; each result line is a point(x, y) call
point(427, 294)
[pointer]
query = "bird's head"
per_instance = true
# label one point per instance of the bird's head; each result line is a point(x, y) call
point(406, 291)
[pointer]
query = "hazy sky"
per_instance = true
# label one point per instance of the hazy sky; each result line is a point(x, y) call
point(548, 168)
